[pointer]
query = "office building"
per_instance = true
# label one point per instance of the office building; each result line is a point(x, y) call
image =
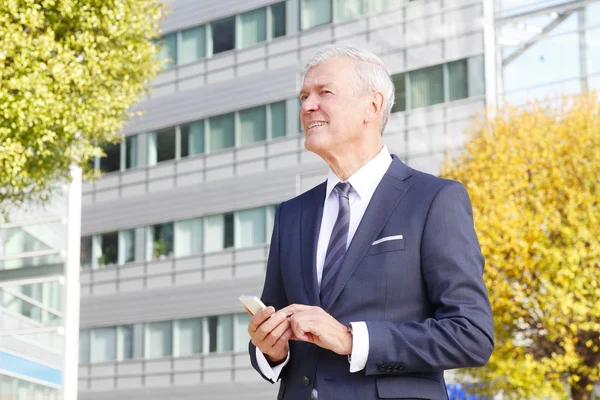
point(179, 225)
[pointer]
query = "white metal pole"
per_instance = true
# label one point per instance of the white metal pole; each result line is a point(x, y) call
point(490, 53)
point(72, 289)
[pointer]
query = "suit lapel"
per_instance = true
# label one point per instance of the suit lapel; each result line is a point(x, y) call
point(386, 198)
point(312, 213)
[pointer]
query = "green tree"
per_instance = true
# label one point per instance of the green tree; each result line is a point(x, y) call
point(533, 174)
point(69, 72)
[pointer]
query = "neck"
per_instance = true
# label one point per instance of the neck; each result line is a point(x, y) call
point(344, 166)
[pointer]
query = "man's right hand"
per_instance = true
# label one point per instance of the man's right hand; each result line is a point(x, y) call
point(270, 333)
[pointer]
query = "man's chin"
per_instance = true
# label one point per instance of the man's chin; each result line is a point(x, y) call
point(313, 145)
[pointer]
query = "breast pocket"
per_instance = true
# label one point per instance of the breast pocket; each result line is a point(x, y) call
point(387, 245)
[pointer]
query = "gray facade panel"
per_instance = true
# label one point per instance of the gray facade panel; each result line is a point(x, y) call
point(216, 99)
point(209, 298)
point(231, 391)
point(191, 201)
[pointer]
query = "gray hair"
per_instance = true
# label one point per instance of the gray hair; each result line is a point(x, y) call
point(372, 74)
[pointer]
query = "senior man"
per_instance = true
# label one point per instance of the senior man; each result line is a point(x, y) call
point(374, 277)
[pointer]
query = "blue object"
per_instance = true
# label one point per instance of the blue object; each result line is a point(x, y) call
point(30, 369)
point(458, 392)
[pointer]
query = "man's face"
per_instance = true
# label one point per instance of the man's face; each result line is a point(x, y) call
point(332, 115)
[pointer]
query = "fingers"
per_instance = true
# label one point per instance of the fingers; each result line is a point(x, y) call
point(268, 326)
point(259, 318)
point(313, 324)
point(295, 308)
point(280, 347)
point(273, 336)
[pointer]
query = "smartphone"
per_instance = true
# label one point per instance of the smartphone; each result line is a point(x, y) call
point(252, 303)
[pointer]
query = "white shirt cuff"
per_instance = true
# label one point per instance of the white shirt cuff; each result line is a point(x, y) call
point(360, 346)
point(266, 369)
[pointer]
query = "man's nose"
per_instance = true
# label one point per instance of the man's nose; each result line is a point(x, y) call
point(310, 103)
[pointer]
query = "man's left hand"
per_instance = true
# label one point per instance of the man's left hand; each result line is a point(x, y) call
point(314, 325)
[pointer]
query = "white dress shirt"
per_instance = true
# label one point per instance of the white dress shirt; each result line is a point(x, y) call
point(364, 182)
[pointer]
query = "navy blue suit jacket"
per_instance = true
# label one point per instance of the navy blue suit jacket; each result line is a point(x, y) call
point(422, 297)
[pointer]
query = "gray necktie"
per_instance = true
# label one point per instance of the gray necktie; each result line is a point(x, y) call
point(336, 250)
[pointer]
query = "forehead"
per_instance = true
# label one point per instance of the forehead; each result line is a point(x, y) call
point(337, 72)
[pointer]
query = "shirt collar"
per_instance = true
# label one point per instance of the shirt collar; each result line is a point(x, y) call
point(369, 174)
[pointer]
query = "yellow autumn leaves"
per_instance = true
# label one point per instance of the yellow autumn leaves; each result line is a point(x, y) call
point(533, 174)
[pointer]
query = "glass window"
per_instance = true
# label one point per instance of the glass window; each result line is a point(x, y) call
point(151, 153)
point(457, 80)
point(426, 86)
point(222, 133)
point(544, 63)
point(85, 255)
point(189, 336)
point(347, 9)
point(192, 138)
point(251, 228)
point(165, 144)
point(188, 237)
point(138, 341)
point(214, 229)
point(84, 346)
point(593, 15)
point(168, 51)
point(220, 331)
point(160, 241)
point(16, 240)
point(270, 220)
point(112, 161)
point(125, 342)
point(48, 293)
point(223, 35)
point(253, 28)
point(241, 331)
point(159, 339)
point(278, 19)
point(218, 232)
point(297, 116)
point(278, 119)
point(315, 12)
point(126, 246)
point(476, 76)
point(373, 6)
point(400, 92)
point(253, 126)
point(228, 239)
point(104, 344)
point(109, 245)
point(130, 152)
point(594, 47)
point(193, 44)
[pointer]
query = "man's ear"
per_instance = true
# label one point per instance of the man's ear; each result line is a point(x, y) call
point(374, 107)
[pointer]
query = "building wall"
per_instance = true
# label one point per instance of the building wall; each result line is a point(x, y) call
point(32, 255)
point(408, 37)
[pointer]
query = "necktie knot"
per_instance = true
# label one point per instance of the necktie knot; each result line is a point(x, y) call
point(343, 189)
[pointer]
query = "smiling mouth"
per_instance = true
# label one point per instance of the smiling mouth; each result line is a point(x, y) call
point(313, 124)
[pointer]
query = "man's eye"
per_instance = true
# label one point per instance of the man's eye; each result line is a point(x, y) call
point(326, 91)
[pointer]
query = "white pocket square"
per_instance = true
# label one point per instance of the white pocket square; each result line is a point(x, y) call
point(388, 238)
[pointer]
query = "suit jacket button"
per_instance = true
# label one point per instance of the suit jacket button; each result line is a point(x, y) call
point(305, 381)
point(380, 368)
point(401, 368)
